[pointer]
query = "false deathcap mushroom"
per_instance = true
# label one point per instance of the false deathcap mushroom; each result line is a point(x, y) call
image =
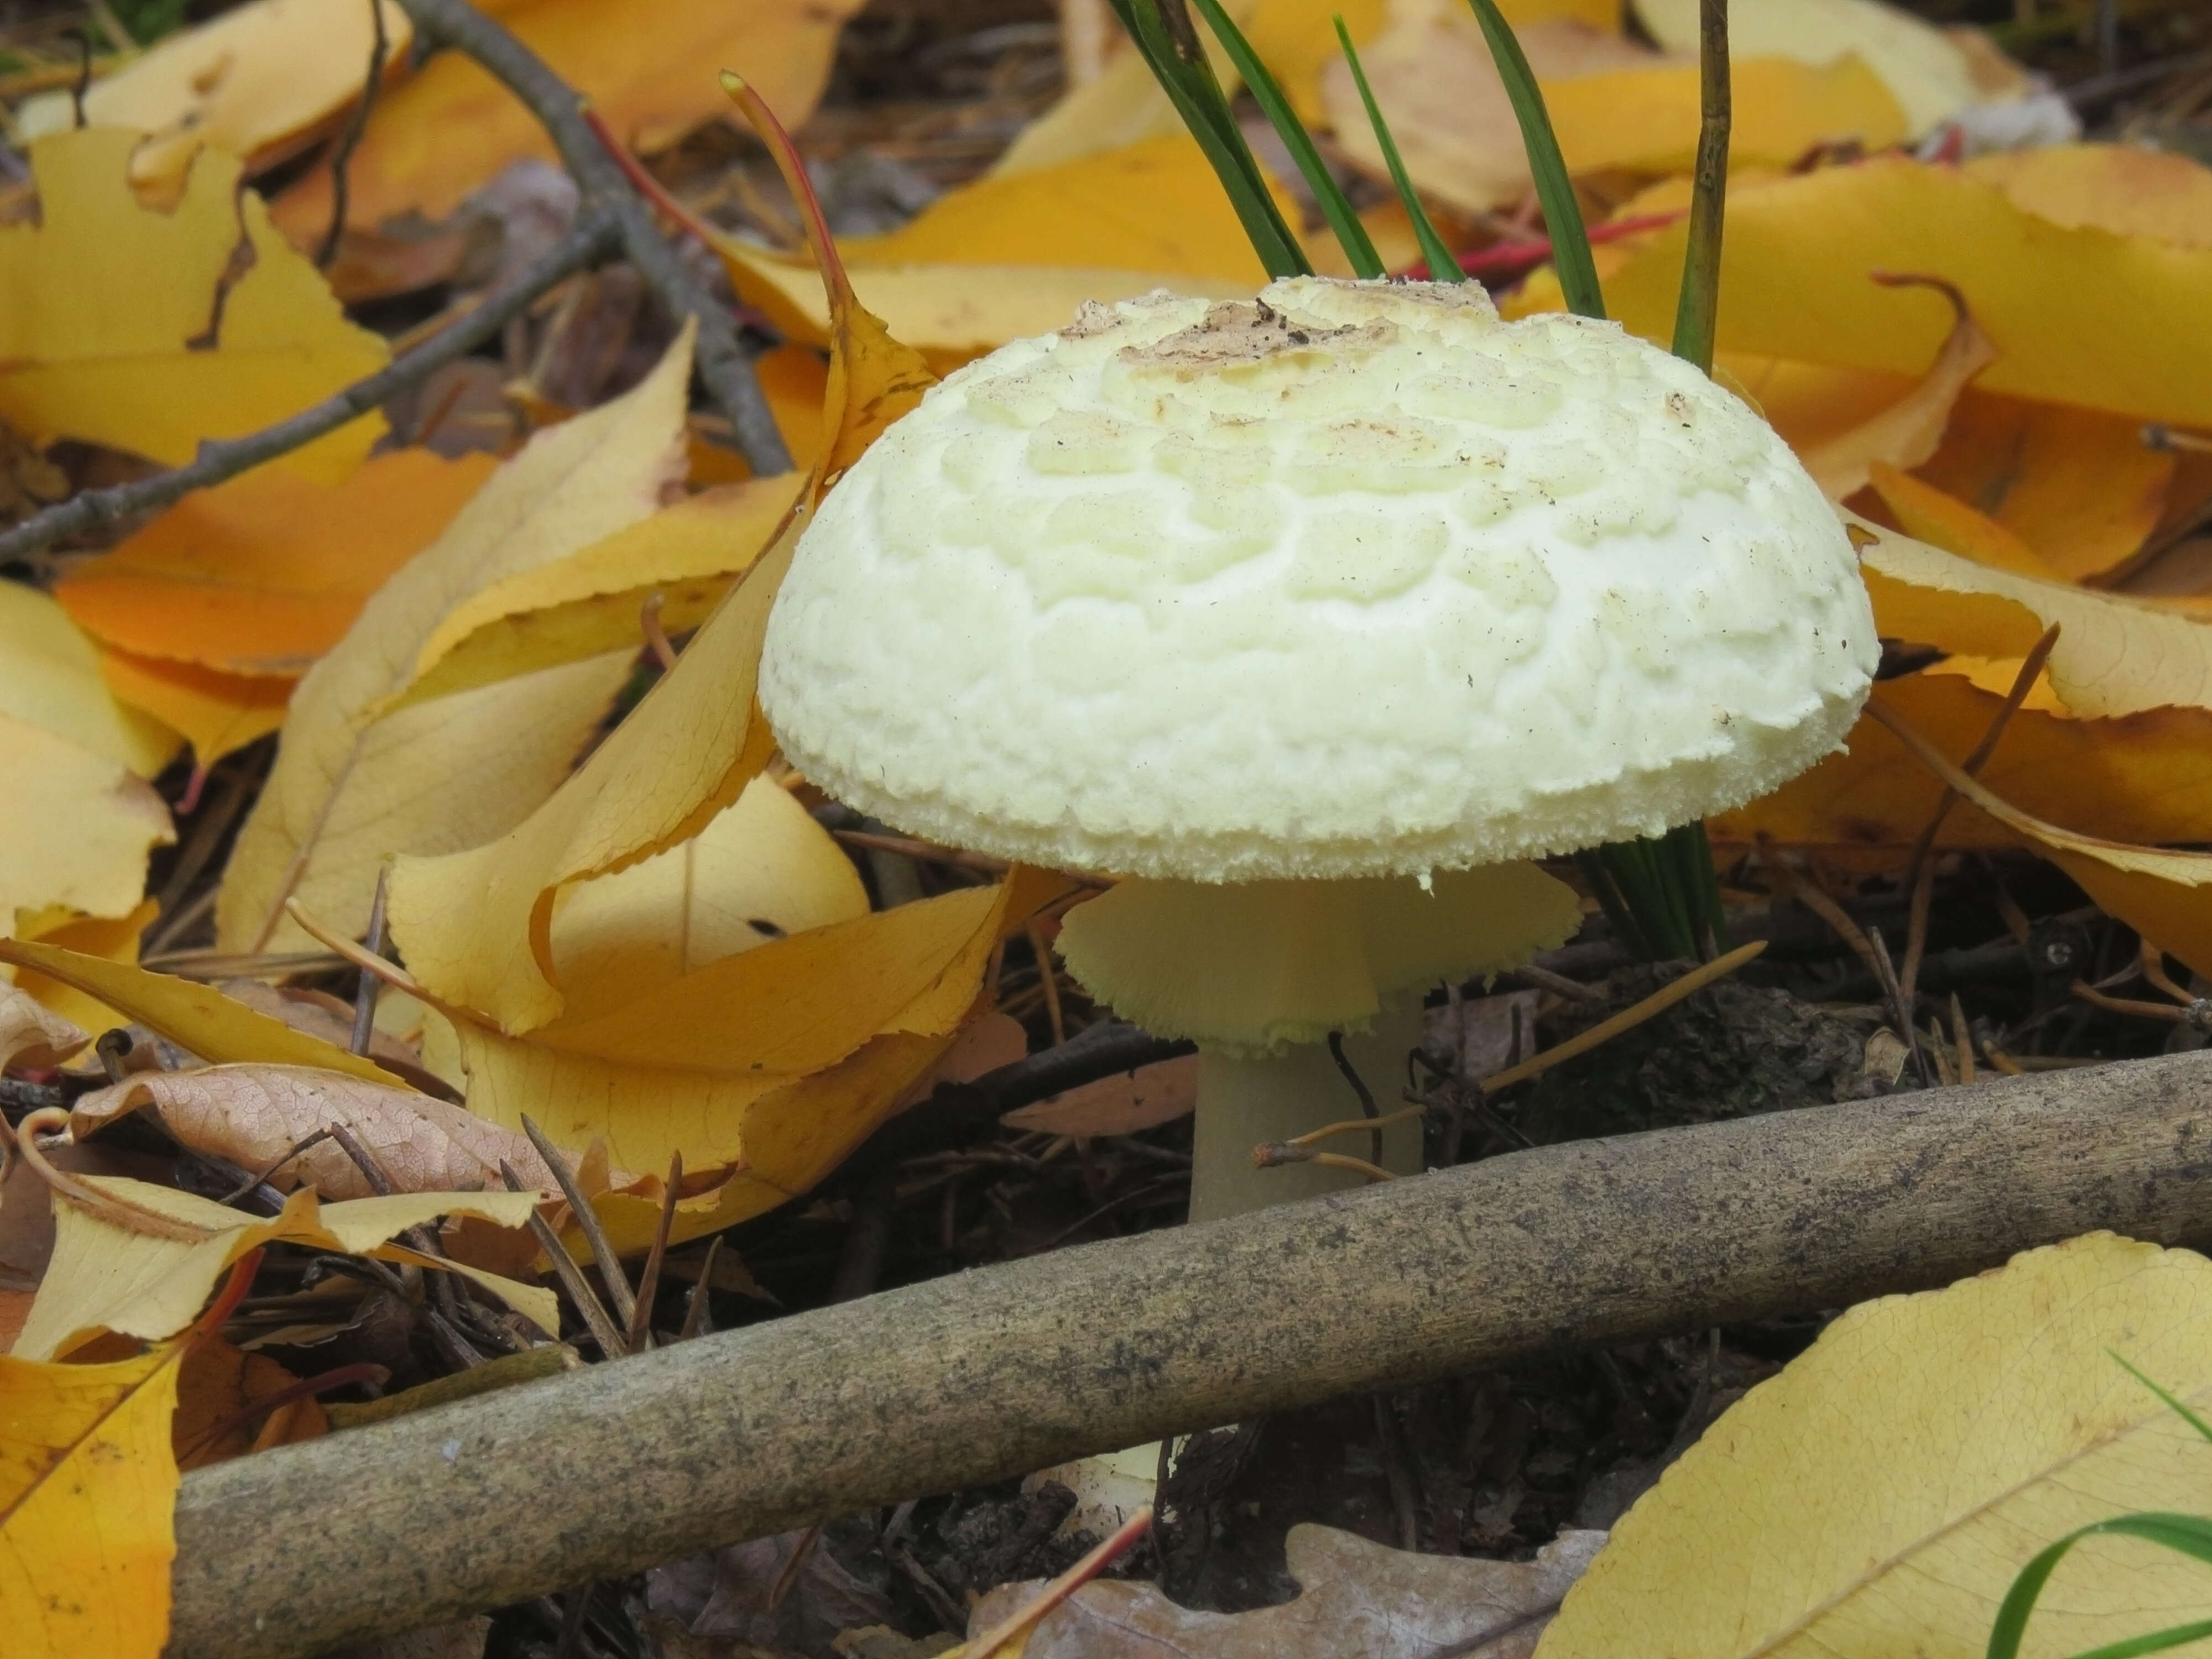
point(1311, 618)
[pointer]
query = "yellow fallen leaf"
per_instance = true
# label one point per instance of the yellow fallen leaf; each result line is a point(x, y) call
point(762, 869)
point(112, 1272)
point(1907, 432)
point(75, 827)
point(1614, 105)
point(1878, 1495)
point(590, 602)
point(1646, 119)
point(261, 575)
point(475, 927)
point(1297, 39)
point(449, 129)
point(260, 81)
point(1940, 521)
point(2143, 777)
point(1123, 106)
point(2162, 194)
point(32, 1037)
point(2116, 654)
point(2165, 897)
point(251, 1114)
point(87, 1490)
point(1152, 206)
point(800, 1004)
point(950, 314)
point(49, 677)
point(1926, 71)
point(150, 331)
point(217, 714)
point(197, 1017)
point(113, 937)
point(1799, 250)
point(355, 783)
point(2079, 486)
point(534, 1303)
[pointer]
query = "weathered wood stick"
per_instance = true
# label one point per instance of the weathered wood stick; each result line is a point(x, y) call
point(993, 1373)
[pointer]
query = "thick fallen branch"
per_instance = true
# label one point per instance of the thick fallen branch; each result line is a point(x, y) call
point(993, 1373)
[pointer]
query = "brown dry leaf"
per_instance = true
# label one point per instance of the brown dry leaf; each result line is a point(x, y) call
point(197, 1017)
point(2079, 486)
point(252, 1115)
point(261, 82)
point(150, 331)
point(32, 1037)
point(688, 553)
point(263, 574)
point(218, 1392)
point(143, 1265)
point(1359, 1597)
point(1908, 431)
point(2165, 897)
point(1118, 1105)
point(355, 783)
point(434, 139)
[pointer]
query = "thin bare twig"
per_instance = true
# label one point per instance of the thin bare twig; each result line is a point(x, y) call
point(592, 1311)
point(620, 1298)
point(369, 983)
point(594, 238)
point(723, 367)
point(640, 1336)
point(341, 152)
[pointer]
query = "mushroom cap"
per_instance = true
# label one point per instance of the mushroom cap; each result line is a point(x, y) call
point(1354, 579)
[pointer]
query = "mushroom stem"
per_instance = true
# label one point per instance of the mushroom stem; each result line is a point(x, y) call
point(1244, 1102)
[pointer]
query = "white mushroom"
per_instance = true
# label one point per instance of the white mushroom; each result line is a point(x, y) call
point(1310, 616)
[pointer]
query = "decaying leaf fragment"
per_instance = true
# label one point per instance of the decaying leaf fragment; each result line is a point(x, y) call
point(1359, 1597)
point(1880, 1494)
point(251, 1114)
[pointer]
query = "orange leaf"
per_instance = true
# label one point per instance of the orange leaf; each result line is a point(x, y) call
point(261, 575)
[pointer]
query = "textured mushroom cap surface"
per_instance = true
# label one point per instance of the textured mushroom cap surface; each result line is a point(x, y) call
point(1355, 579)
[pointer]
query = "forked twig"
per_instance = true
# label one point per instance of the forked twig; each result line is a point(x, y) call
point(622, 1298)
point(593, 1312)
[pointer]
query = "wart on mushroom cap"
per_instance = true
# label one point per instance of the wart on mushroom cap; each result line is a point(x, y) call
point(1351, 581)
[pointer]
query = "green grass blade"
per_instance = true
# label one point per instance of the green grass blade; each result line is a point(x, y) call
point(2185, 1534)
point(1162, 33)
point(1618, 911)
point(1555, 192)
point(1443, 266)
point(1350, 235)
point(2180, 1409)
point(2158, 1641)
point(1697, 312)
